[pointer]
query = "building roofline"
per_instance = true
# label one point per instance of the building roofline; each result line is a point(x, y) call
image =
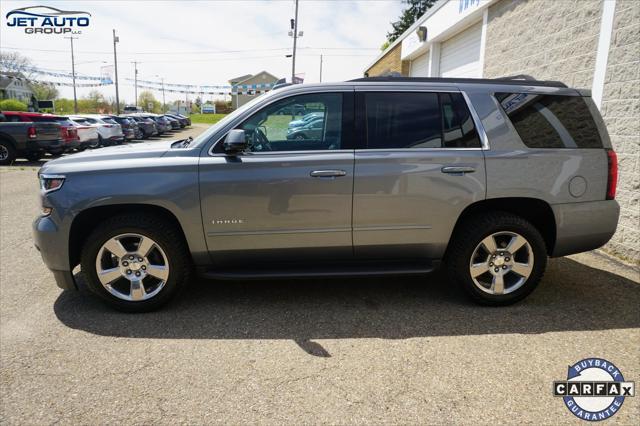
point(411, 29)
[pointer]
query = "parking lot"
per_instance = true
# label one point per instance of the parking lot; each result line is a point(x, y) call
point(393, 350)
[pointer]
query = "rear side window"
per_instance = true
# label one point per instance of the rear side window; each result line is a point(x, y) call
point(418, 120)
point(551, 121)
point(109, 120)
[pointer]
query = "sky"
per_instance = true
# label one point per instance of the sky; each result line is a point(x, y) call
point(208, 42)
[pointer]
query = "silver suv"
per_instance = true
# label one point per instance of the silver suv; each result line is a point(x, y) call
point(393, 176)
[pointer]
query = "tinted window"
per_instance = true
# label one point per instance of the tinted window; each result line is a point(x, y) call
point(109, 121)
point(551, 121)
point(419, 120)
point(298, 123)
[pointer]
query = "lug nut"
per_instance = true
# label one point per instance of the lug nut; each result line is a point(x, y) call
point(497, 269)
point(125, 263)
point(504, 266)
point(128, 271)
point(144, 268)
point(131, 257)
point(139, 259)
point(491, 264)
point(501, 253)
point(507, 259)
point(137, 274)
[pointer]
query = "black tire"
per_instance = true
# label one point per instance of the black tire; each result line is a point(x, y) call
point(33, 156)
point(164, 233)
point(469, 235)
point(100, 142)
point(8, 153)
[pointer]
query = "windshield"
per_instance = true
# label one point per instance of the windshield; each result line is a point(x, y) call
point(203, 137)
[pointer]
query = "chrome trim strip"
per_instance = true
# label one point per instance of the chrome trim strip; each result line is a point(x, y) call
point(367, 150)
point(278, 231)
point(392, 228)
point(484, 140)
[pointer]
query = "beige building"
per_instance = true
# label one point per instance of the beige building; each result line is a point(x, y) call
point(592, 44)
point(246, 87)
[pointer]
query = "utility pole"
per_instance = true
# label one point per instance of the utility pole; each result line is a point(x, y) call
point(135, 77)
point(295, 40)
point(73, 76)
point(320, 68)
point(115, 63)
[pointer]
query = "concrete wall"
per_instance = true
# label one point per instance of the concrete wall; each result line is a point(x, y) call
point(558, 40)
point(621, 112)
point(391, 62)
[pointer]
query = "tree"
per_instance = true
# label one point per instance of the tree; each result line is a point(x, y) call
point(146, 99)
point(44, 91)
point(15, 62)
point(415, 9)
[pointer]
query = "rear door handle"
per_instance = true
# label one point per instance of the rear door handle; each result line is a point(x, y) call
point(459, 170)
point(328, 173)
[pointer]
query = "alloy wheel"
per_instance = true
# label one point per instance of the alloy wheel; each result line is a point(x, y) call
point(4, 153)
point(501, 263)
point(132, 267)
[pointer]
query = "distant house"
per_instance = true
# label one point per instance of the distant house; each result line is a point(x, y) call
point(239, 95)
point(14, 86)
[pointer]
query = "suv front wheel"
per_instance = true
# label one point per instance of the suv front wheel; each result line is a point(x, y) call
point(497, 257)
point(135, 263)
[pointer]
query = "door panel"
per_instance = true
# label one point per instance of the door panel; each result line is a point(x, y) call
point(268, 206)
point(406, 206)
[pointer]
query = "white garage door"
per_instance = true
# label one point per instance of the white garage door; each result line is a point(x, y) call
point(420, 66)
point(460, 55)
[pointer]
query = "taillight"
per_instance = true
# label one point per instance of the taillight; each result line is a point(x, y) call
point(612, 175)
point(31, 132)
point(63, 132)
point(108, 125)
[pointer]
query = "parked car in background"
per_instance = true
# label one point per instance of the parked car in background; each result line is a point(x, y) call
point(487, 177)
point(128, 127)
point(130, 109)
point(186, 118)
point(174, 122)
point(162, 123)
point(146, 125)
point(28, 140)
point(109, 132)
point(88, 135)
point(305, 119)
point(312, 129)
point(183, 121)
point(68, 131)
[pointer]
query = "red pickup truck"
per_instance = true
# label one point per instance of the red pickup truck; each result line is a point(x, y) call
point(68, 131)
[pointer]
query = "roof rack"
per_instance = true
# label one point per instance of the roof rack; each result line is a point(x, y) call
point(516, 80)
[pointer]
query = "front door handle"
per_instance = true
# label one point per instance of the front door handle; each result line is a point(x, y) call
point(328, 173)
point(458, 170)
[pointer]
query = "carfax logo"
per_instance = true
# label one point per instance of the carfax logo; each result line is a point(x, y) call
point(48, 20)
point(594, 390)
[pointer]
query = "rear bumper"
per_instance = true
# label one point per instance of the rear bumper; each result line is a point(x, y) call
point(40, 145)
point(584, 226)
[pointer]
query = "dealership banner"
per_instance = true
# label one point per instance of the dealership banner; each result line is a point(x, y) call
point(199, 88)
point(55, 83)
point(36, 70)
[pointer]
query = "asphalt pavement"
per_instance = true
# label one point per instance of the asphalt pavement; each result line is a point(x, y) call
point(338, 351)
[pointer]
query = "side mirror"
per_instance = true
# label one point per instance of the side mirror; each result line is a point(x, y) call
point(236, 141)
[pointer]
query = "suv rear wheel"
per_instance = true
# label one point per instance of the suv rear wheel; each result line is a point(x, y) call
point(136, 263)
point(498, 258)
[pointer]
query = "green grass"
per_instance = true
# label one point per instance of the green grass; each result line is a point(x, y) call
point(206, 118)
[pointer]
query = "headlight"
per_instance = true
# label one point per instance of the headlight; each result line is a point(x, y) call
point(50, 183)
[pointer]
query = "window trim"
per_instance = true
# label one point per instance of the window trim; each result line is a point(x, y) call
point(347, 126)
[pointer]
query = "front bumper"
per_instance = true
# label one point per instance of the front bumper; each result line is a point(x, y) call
point(584, 226)
point(53, 248)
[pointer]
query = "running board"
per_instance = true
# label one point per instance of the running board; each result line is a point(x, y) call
point(317, 272)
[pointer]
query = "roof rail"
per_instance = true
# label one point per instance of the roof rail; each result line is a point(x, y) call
point(519, 80)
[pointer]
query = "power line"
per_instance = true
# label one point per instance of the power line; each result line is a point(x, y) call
point(194, 52)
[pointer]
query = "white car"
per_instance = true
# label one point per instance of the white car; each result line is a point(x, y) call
point(87, 132)
point(109, 132)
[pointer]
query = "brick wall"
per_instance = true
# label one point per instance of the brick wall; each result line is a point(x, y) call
point(548, 39)
point(390, 62)
point(621, 112)
point(558, 40)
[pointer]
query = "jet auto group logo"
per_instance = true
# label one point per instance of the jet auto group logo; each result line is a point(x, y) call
point(48, 20)
point(594, 390)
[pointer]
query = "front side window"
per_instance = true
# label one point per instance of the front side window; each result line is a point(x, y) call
point(551, 121)
point(418, 120)
point(298, 123)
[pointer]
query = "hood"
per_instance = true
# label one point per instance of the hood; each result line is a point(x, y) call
point(101, 158)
